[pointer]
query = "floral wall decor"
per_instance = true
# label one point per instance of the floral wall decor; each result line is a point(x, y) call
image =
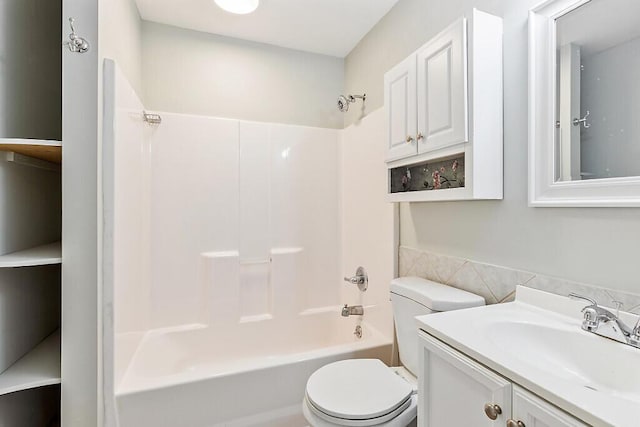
point(432, 175)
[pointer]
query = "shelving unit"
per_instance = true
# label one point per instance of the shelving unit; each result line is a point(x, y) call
point(39, 255)
point(42, 149)
point(38, 368)
point(31, 190)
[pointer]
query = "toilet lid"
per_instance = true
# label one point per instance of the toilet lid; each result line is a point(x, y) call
point(357, 389)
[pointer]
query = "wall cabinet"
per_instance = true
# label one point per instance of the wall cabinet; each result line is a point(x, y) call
point(444, 103)
point(426, 96)
point(400, 109)
point(456, 390)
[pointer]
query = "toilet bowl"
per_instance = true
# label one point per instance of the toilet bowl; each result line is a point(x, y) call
point(360, 392)
point(366, 392)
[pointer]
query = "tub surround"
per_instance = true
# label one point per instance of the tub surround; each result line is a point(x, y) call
point(242, 293)
point(498, 284)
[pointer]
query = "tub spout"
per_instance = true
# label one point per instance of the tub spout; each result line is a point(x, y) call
point(352, 310)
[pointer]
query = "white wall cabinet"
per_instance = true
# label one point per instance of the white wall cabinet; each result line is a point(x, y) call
point(400, 109)
point(426, 96)
point(456, 390)
point(444, 104)
point(442, 89)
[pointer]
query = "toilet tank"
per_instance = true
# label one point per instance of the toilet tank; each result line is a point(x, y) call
point(414, 296)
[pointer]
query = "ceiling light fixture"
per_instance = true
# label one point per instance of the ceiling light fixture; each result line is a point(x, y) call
point(239, 7)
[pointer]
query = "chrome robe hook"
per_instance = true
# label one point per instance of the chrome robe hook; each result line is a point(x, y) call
point(583, 121)
point(76, 43)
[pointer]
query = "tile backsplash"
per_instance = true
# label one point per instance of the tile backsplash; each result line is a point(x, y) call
point(498, 284)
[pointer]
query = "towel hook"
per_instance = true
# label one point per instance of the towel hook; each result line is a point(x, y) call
point(583, 121)
point(76, 43)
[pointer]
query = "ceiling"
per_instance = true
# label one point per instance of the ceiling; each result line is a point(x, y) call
point(329, 27)
point(600, 25)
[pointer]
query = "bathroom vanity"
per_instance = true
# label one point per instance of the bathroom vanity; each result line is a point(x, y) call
point(523, 364)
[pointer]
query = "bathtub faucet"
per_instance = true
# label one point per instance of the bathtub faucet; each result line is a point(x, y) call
point(352, 310)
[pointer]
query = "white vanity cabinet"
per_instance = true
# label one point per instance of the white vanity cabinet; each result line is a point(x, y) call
point(456, 390)
point(443, 104)
point(532, 411)
point(453, 389)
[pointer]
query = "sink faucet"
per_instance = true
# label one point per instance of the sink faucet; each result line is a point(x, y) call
point(352, 310)
point(601, 321)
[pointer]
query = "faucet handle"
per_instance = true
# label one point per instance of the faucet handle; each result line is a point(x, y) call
point(361, 279)
point(573, 295)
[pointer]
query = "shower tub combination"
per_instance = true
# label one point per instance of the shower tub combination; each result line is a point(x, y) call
point(255, 375)
point(224, 298)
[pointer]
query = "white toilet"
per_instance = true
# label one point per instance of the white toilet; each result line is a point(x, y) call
point(366, 392)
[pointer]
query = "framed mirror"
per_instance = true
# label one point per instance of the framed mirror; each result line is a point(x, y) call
point(584, 103)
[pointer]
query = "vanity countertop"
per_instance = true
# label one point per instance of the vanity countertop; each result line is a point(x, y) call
point(537, 342)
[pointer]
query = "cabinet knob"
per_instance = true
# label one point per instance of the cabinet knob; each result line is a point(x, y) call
point(492, 410)
point(409, 139)
point(514, 423)
point(419, 136)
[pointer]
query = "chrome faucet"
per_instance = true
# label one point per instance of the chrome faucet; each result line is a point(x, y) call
point(600, 321)
point(352, 310)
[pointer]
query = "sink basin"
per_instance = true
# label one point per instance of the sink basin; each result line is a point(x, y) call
point(537, 342)
point(573, 355)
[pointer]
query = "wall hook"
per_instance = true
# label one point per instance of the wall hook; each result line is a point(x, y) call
point(583, 121)
point(76, 43)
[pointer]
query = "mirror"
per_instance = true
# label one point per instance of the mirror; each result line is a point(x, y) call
point(584, 103)
point(598, 91)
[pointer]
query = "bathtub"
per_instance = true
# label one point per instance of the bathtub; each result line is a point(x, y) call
point(248, 374)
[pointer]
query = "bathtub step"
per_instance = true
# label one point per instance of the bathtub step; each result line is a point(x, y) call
point(38, 368)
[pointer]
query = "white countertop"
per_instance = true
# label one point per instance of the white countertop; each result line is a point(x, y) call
point(483, 333)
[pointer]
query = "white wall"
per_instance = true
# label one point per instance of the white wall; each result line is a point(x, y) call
point(596, 246)
point(121, 38)
point(368, 232)
point(30, 69)
point(198, 73)
point(401, 31)
point(611, 92)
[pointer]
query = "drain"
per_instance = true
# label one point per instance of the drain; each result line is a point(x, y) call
point(591, 387)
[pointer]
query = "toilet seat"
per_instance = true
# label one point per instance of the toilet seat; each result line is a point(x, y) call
point(357, 393)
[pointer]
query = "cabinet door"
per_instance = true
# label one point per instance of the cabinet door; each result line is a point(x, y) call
point(453, 389)
point(535, 412)
point(400, 109)
point(442, 89)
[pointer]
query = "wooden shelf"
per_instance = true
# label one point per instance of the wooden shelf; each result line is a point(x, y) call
point(38, 368)
point(39, 255)
point(43, 149)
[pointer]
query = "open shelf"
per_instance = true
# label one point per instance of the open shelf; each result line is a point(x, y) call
point(39, 255)
point(38, 368)
point(43, 149)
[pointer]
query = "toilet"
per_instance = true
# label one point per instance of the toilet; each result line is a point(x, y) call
point(366, 392)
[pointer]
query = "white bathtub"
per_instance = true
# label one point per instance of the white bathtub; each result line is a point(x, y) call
point(244, 375)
